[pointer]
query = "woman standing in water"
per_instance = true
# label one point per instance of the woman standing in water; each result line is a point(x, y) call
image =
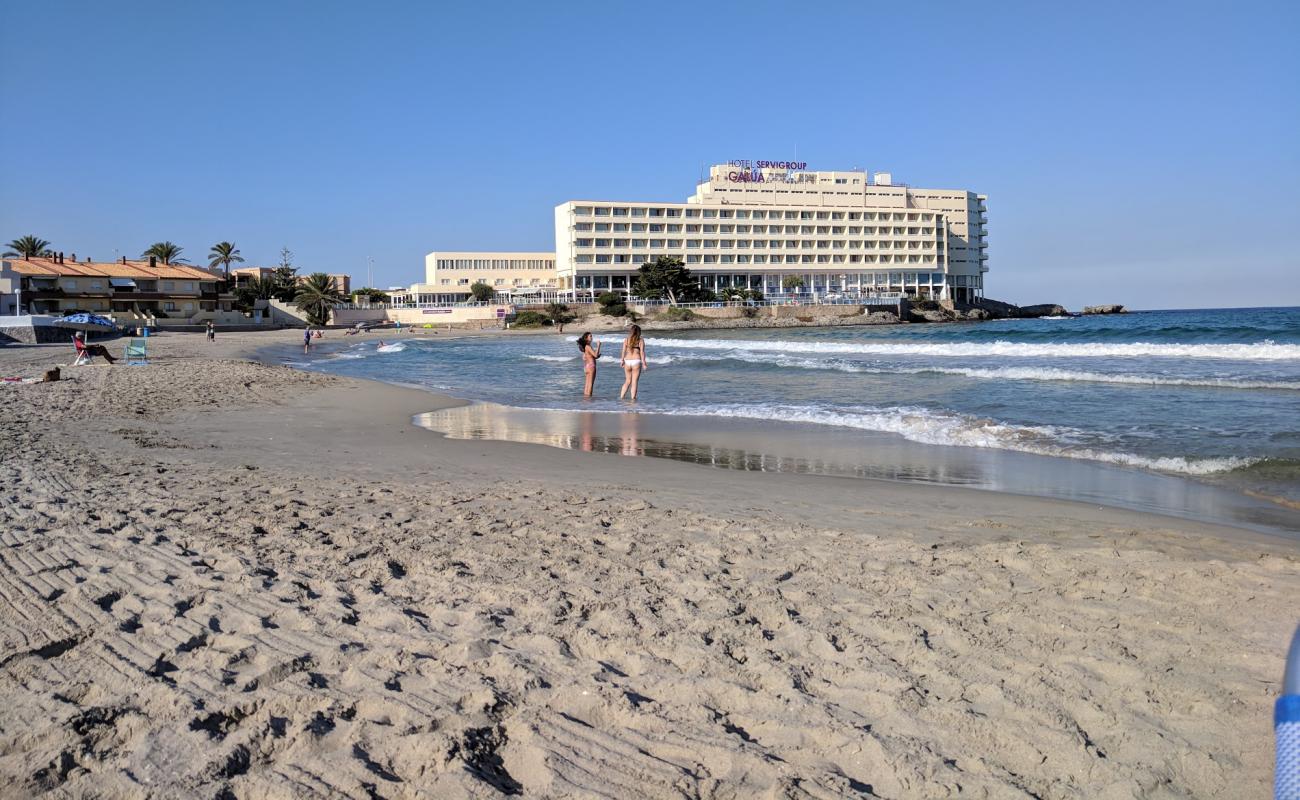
point(589, 356)
point(633, 360)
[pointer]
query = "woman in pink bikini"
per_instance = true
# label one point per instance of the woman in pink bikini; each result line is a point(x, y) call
point(589, 356)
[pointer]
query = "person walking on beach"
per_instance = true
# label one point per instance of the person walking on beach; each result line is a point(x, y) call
point(306, 339)
point(633, 360)
point(212, 332)
point(589, 356)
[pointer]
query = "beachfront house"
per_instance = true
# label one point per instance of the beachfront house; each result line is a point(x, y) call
point(130, 292)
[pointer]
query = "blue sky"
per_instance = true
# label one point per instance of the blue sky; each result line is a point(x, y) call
point(1144, 153)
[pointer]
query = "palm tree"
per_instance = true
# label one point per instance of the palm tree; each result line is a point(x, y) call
point(317, 297)
point(166, 252)
point(224, 254)
point(28, 246)
point(262, 288)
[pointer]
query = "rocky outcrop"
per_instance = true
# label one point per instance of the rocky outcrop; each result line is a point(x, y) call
point(1115, 309)
point(1044, 310)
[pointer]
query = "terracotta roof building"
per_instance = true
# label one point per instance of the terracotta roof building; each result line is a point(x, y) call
point(126, 289)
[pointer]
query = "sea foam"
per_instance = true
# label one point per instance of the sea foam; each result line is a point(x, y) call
point(1261, 351)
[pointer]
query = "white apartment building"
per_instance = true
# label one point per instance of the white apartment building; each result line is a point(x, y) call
point(448, 275)
point(754, 223)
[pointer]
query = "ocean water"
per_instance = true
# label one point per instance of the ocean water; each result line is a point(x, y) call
point(1211, 396)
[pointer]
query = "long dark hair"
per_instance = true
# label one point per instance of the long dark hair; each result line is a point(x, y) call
point(583, 340)
point(633, 338)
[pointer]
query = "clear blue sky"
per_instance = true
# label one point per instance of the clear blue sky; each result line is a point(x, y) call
point(1144, 153)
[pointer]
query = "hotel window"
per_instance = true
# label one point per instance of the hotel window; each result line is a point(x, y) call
point(674, 242)
point(638, 227)
point(742, 259)
point(621, 242)
point(710, 228)
point(742, 214)
point(805, 230)
point(710, 213)
point(727, 260)
point(837, 215)
point(726, 228)
point(673, 212)
point(692, 259)
point(742, 229)
point(693, 212)
point(725, 214)
point(582, 243)
point(760, 215)
point(656, 228)
point(602, 242)
point(804, 215)
point(692, 243)
point(710, 259)
point(638, 212)
point(656, 212)
point(692, 228)
point(445, 282)
point(709, 244)
point(169, 306)
point(792, 259)
point(759, 259)
point(806, 260)
point(806, 245)
point(620, 212)
point(499, 282)
point(656, 244)
point(823, 229)
point(582, 211)
point(790, 214)
point(823, 215)
point(602, 259)
point(674, 228)
point(726, 244)
point(583, 259)
point(790, 243)
point(742, 243)
point(602, 211)
point(167, 286)
point(620, 227)
point(640, 257)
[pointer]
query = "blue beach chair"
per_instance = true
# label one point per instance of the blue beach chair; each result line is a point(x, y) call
point(136, 353)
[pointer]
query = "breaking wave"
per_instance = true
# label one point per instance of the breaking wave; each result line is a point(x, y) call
point(991, 373)
point(1267, 350)
point(939, 428)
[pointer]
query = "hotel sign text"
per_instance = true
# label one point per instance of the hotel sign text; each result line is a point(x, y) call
point(746, 171)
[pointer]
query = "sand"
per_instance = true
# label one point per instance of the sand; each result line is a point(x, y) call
point(221, 578)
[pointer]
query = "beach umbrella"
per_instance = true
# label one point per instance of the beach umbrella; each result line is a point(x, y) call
point(86, 322)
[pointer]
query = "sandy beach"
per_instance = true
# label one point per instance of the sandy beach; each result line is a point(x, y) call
point(223, 578)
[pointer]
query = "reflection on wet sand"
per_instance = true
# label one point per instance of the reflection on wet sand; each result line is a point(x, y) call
point(825, 450)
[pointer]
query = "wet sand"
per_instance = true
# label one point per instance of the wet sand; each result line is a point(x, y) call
point(223, 576)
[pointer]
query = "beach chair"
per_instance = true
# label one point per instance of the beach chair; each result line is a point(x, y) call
point(136, 353)
point(83, 356)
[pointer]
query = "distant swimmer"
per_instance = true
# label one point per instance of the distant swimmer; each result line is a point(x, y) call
point(633, 360)
point(589, 356)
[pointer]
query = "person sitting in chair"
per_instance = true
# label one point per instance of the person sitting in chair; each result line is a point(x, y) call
point(90, 350)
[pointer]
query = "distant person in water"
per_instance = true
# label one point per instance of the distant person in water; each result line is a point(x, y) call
point(306, 340)
point(633, 360)
point(589, 356)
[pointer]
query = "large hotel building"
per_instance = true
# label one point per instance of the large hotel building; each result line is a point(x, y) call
point(752, 224)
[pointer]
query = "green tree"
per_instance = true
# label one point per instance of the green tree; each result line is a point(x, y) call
point(255, 289)
point(28, 246)
point(668, 277)
point(223, 254)
point(316, 297)
point(370, 295)
point(792, 283)
point(166, 252)
point(558, 313)
point(481, 292)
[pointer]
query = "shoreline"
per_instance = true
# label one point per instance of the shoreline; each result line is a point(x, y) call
point(286, 587)
point(1235, 508)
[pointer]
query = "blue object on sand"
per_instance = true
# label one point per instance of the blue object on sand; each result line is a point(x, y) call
point(1286, 725)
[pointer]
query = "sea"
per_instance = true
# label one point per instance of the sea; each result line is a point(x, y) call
point(1194, 413)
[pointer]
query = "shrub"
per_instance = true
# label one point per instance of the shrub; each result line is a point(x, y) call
point(608, 298)
point(676, 314)
point(530, 319)
point(482, 292)
point(613, 310)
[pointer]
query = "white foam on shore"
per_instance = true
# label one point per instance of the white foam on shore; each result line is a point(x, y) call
point(994, 373)
point(553, 358)
point(940, 428)
point(1260, 351)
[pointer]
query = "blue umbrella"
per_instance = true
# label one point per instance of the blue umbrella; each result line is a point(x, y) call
point(86, 322)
